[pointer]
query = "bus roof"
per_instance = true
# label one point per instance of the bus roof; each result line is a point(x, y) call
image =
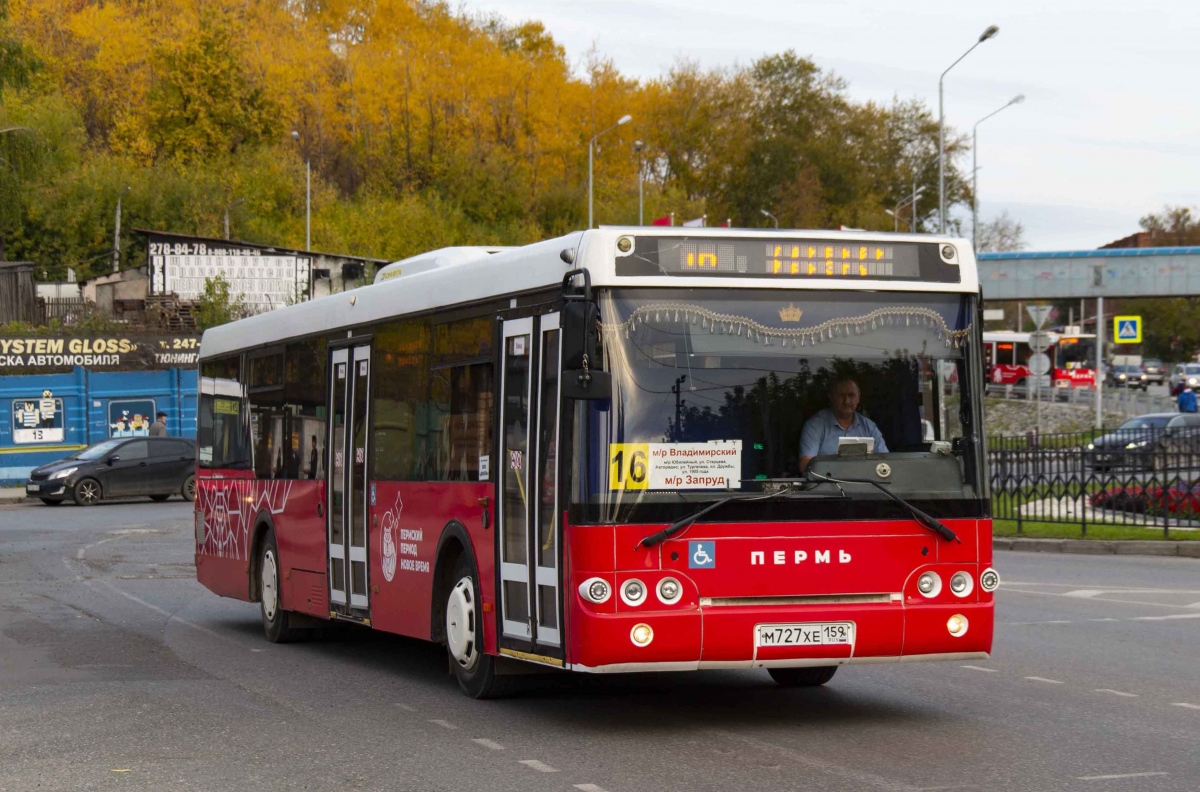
point(465, 275)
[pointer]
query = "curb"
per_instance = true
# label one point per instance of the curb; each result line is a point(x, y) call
point(1092, 547)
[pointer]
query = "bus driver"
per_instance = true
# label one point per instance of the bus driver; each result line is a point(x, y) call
point(841, 419)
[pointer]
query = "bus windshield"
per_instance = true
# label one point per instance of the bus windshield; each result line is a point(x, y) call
point(733, 377)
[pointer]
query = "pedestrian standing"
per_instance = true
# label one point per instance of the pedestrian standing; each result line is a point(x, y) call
point(159, 427)
point(1187, 400)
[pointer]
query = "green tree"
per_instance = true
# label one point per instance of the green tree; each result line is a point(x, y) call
point(216, 306)
point(1174, 226)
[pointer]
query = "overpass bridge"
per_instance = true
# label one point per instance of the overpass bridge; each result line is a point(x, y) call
point(1116, 272)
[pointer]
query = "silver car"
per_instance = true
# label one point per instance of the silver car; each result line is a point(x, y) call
point(1185, 374)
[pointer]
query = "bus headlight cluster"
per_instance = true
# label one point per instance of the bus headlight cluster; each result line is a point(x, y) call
point(957, 625)
point(595, 590)
point(633, 593)
point(989, 581)
point(961, 584)
point(929, 584)
point(669, 591)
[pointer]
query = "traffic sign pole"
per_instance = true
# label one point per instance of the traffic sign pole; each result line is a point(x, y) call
point(1099, 380)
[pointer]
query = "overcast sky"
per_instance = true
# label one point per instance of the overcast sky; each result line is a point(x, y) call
point(1109, 130)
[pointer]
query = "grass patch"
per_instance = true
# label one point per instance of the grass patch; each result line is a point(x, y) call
point(1098, 531)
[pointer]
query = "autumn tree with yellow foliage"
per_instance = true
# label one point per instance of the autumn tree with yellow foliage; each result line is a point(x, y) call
point(425, 127)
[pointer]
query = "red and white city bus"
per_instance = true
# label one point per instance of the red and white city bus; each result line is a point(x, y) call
point(584, 454)
point(1072, 359)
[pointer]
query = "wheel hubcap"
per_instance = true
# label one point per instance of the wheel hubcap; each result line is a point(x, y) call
point(88, 491)
point(190, 487)
point(460, 624)
point(269, 595)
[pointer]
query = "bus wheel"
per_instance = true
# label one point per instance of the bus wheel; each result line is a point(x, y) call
point(474, 669)
point(802, 677)
point(276, 621)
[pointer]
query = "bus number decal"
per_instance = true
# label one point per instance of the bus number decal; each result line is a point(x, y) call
point(627, 466)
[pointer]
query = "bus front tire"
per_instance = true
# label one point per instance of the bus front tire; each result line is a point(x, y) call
point(474, 669)
point(276, 621)
point(802, 677)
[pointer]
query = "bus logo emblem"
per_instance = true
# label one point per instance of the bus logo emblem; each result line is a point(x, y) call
point(702, 555)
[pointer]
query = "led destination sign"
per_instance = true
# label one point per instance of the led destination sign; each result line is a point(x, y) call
point(787, 258)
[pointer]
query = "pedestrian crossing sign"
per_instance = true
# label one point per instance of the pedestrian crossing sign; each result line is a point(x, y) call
point(1127, 329)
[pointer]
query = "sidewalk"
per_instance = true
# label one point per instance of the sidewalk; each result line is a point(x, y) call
point(1100, 547)
point(12, 494)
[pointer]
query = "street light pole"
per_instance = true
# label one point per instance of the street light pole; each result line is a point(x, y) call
point(227, 208)
point(307, 196)
point(638, 146)
point(975, 168)
point(116, 251)
point(987, 34)
point(625, 119)
point(773, 217)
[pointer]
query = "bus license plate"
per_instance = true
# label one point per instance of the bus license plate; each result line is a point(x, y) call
point(811, 634)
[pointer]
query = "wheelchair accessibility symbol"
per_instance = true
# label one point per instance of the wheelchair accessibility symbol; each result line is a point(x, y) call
point(702, 555)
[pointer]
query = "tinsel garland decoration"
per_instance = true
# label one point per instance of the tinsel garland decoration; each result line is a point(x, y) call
point(731, 324)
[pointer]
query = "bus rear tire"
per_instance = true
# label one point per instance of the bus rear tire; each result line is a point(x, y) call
point(474, 669)
point(276, 621)
point(802, 677)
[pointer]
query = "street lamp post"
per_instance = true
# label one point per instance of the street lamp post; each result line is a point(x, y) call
point(625, 119)
point(307, 196)
point(987, 34)
point(116, 252)
point(975, 168)
point(227, 208)
point(773, 217)
point(638, 146)
point(916, 193)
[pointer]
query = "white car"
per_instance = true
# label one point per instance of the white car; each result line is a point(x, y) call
point(1185, 374)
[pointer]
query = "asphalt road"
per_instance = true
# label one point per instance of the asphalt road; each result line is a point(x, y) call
point(119, 672)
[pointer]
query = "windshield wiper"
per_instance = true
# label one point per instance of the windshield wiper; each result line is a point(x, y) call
point(929, 521)
point(679, 525)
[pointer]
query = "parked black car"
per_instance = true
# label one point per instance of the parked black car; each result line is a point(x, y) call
point(122, 467)
point(1148, 442)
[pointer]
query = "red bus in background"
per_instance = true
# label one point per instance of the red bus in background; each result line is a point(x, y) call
point(584, 454)
point(1072, 360)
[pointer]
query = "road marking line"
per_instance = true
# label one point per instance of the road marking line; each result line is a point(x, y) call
point(1185, 705)
point(541, 767)
point(981, 668)
point(1106, 618)
point(445, 724)
point(590, 788)
point(406, 708)
point(1120, 775)
point(1165, 618)
point(1047, 681)
point(1084, 593)
point(486, 743)
point(1116, 692)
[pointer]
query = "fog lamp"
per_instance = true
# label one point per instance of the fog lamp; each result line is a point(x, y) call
point(957, 625)
point(929, 584)
point(641, 634)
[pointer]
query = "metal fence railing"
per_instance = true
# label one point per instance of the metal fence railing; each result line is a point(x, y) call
point(1148, 478)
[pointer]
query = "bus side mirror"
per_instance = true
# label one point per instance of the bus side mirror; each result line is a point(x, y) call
point(582, 377)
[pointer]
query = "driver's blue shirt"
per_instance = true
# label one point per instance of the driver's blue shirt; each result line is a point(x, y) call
point(821, 432)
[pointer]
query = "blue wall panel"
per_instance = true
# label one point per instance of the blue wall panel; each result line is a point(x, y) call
point(87, 399)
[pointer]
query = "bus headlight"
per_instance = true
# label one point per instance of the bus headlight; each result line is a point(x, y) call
point(957, 625)
point(989, 581)
point(961, 584)
point(929, 584)
point(669, 591)
point(595, 590)
point(641, 634)
point(633, 593)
